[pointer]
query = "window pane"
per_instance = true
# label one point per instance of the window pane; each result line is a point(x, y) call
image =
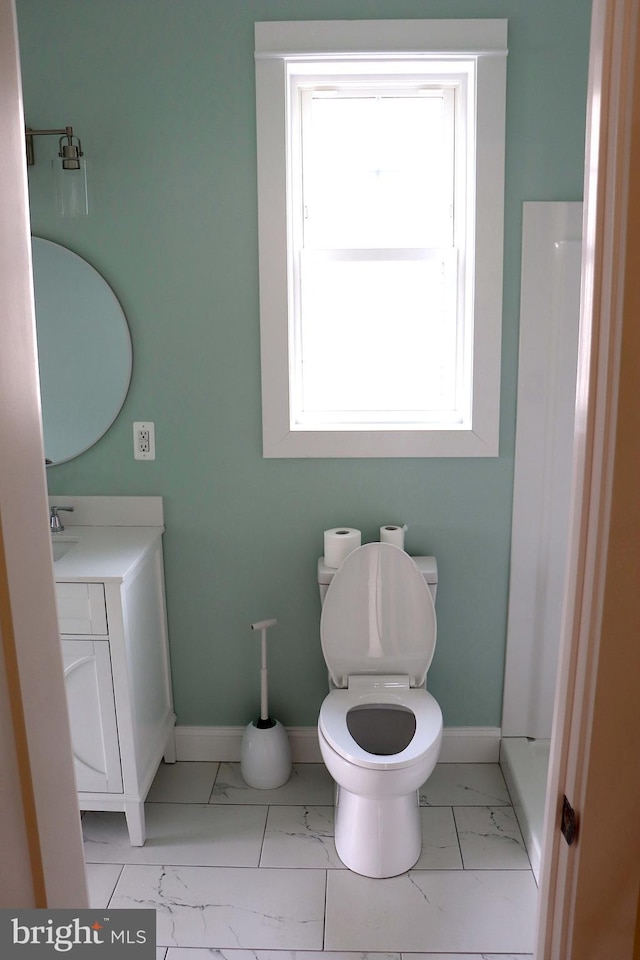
point(378, 172)
point(378, 336)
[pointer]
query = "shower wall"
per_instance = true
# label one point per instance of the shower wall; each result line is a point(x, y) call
point(549, 315)
point(549, 319)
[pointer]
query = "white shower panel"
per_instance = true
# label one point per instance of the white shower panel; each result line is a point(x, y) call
point(549, 317)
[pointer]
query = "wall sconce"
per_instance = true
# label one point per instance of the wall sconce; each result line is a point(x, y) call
point(69, 171)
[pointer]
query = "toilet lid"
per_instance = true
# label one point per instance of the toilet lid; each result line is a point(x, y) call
point(378, 617)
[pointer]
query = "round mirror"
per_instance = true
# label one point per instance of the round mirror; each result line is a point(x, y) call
point(84, 351)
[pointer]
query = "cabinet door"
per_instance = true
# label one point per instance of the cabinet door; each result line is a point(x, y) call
point(92, 715)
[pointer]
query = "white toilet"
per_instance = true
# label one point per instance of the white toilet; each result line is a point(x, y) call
point(380, 731)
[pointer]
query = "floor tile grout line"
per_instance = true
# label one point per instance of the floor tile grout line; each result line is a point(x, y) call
point(264, 834)
point(506, 785)
point(119, 877)
point(213, 785)
point(455, 823)
point(324, 913)
point(111, 895)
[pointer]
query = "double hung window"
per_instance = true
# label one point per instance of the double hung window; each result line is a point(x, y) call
point(380, 205)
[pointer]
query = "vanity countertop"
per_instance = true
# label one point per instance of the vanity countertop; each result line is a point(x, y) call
point(102, 552)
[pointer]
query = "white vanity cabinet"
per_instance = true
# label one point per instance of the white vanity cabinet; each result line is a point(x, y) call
point(111, 611)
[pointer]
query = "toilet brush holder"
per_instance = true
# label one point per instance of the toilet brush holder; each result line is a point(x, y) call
point(265, 754)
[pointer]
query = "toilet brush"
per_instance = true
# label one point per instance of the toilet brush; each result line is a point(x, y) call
point(265, 755)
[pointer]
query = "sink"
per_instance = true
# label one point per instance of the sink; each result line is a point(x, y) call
point(61, 548)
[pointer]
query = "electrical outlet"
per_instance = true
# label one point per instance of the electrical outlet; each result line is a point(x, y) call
point(144, 440)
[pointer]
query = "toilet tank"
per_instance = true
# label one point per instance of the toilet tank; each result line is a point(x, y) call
point(427, 566)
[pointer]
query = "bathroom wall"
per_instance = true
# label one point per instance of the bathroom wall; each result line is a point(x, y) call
point(162, 94)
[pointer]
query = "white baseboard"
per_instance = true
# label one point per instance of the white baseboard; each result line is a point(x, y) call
point(470, 745)
point(459, 744)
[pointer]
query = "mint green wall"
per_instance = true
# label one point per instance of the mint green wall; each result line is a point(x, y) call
point(162, 94)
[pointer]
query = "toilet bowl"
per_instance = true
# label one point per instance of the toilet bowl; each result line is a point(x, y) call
point(379, 729)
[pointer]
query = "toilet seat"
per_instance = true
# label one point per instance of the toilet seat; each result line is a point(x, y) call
point(378, 617)
point(332, 723)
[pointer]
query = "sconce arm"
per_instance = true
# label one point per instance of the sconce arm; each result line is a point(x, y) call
point(30, 134)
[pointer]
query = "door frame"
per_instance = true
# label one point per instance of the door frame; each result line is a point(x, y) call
point(42, 863)
point(589, 891)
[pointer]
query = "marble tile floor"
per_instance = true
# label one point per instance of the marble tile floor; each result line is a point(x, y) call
point(241, 874)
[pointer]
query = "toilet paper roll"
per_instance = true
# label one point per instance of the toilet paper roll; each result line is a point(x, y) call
point(338, 544)
point(391, 533)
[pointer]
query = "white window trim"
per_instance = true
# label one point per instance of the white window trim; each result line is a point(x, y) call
point(277, 43)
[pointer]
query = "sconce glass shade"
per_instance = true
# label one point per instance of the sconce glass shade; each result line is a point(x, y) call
point(72, 198)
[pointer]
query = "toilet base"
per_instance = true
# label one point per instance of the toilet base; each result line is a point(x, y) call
point(377, 836)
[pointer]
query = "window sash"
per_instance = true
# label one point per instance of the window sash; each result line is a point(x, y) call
point(337, 347)
point(308, 162)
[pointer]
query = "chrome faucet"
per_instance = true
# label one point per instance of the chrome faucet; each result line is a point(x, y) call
point(55, 523)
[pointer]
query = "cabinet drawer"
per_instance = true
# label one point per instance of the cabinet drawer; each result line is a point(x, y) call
point(81, 608)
